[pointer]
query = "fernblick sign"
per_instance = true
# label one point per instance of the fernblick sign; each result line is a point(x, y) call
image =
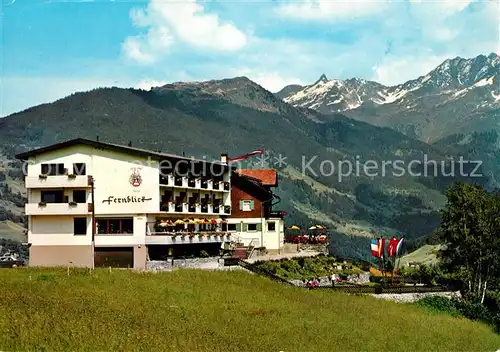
point(128, 199)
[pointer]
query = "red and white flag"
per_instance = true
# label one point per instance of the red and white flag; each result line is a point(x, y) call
point(246, 156)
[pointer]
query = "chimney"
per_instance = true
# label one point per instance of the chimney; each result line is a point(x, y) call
point(129, 143)
point(223, 158)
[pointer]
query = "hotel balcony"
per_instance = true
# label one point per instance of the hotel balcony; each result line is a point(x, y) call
point(194, 183)
point(203, 209)
point(58, 208)
point(64, 181)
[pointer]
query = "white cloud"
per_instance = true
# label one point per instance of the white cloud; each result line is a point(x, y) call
point(332, 9)
point(437, 9)
point(272, 81)
point(393, 71)
point(188, 22)
point(148, 84)
point(145, 49)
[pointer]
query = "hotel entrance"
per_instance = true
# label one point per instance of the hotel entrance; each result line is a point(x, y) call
point(114, 257)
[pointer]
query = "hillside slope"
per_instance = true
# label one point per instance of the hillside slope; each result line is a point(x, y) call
point(237, 116)
point(188, 310)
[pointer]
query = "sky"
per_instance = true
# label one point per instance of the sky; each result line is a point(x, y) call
point(53, 48)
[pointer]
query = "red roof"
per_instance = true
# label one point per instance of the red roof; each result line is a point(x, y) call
point(268, 177)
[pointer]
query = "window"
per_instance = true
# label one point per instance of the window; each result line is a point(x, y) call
point(252, 227)
point(53, 169)
point(79, 169)
point(115, 226)
point(231, 227)
point(80, 226)
point(246, 205)
point(80, 196)
point(271, 226)
point(56, 196)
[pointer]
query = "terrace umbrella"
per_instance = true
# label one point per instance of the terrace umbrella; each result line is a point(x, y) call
point(294, 227)
point(205, 221)
point(179, 222)
point(213, 221)
point(199, 221)
point(313, 227)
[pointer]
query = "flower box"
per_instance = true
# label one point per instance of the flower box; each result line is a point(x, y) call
point(72, 176)
point(42, 177)
point(42, 204)
point(73, 204)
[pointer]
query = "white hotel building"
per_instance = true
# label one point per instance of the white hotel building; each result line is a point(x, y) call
point(144, 204)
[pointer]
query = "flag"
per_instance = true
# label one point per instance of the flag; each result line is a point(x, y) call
point(381, 247)
point(374, 247)
point(246, 156)
point(391, 248)
point(400, 246)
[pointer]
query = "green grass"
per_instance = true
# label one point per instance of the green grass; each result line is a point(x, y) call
point(12, 231)
point(424, 255)
point(189, 310)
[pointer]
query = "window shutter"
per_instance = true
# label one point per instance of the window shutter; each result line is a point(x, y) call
point(241, 205)
point(252, 206)
point(259, 226)
point(238, 227)
point(244, 227)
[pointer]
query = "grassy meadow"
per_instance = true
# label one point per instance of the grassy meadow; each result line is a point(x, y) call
point(195, 310)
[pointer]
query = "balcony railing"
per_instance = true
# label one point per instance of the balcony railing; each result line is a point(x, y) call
point(60, 181)
point(194, 183)
point(200, 234)
point(58, 208)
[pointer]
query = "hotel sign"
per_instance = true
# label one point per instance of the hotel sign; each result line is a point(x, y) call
point(128, 199)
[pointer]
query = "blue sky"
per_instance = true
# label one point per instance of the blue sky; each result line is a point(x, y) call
point(51, 49)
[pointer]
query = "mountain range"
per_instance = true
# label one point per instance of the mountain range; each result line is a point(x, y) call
point(459, 96)
point(328, 122)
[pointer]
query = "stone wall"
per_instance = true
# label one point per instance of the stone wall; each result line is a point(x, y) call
point(191, 263)
point(413, 297)
point(325, 281)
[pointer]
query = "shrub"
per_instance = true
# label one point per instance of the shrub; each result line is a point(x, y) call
point(473, 311)
point(439, 304)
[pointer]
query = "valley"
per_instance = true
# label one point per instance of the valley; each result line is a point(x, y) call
point(235, 116)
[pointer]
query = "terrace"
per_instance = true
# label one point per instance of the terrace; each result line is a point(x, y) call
point(187, 231)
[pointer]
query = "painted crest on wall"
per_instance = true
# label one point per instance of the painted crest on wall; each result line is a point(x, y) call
point(135, 178)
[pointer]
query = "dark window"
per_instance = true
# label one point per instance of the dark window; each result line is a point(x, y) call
point(271, 226)
point(80, 196)
point(45, 169)
point(52, 196)
point(231, 227)
point(80, 226)
point(53, 169)
point(79, 169)
point(252, 227)
point(115, 226)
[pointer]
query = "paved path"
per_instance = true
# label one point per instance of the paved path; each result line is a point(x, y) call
point(285, 255)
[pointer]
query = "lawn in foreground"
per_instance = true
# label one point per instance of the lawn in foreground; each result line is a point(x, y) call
point(191, 310)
